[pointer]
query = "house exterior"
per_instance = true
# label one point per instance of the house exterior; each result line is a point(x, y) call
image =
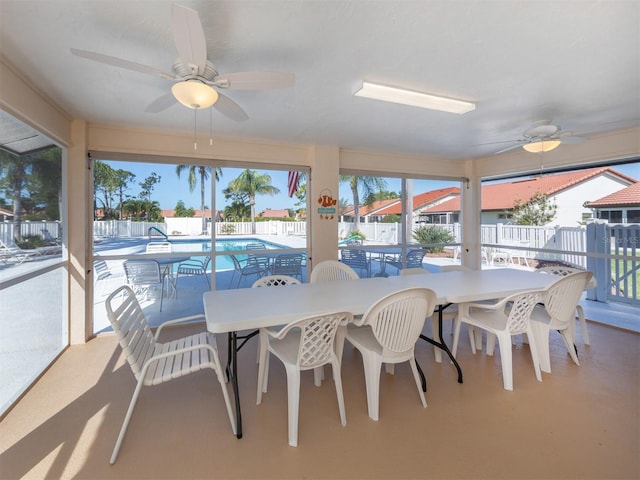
point(421, 203)
point(188, 225)
point(270, 213)
point(568, 191)
point(622, 206)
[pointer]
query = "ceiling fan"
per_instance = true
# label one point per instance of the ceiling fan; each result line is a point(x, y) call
point(197, 82)
point(541, 136)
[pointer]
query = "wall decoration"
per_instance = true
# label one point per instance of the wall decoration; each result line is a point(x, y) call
point(326, 210)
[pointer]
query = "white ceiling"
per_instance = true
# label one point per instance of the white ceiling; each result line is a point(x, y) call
point(574, 62)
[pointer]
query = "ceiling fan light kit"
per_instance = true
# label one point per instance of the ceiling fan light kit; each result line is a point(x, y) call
point(194, 94)
point(541, 146)
point(414, 99)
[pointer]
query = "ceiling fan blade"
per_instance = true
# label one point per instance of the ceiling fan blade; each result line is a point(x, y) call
point(161, 103)
point(188, 36)
point(512, 147)
point(255, 80)
point(121, 63)
point(230, 109)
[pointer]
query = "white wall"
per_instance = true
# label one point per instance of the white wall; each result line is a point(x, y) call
point(569, 202)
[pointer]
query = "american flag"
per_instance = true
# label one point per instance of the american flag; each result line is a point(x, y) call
point(293, 182)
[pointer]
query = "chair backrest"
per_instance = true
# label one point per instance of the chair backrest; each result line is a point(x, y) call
point(101, 270)
point(275, 281)
point(130, 327)
point(158, 247)
point(142, 272)
point(255, 246)
point(413, 271)
point(520, 307)
point(330, 270)
point(562, 296)
point(287, 264)
point(397, 319)
point(354, 258)
point(563, 271)
point(414, 258)
point(317, 337)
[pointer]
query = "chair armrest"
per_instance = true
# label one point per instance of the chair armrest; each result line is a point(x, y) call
point(176, 321)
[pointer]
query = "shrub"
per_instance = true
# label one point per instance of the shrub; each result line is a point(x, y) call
point(228, 228)
point(433, 234)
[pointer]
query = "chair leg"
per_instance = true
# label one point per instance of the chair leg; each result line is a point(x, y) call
point(293, 394)
point(262, 366)
point(540, 331)
point(372, 366)
point(225, 393)
point(437, 352)
point(534, 354)
point(125, 422)
point(504, 342)
point(418, 380)
point(583, 324)
point(337, 379)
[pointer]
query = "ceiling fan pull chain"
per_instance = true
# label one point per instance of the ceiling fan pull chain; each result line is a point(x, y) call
point(195, 125)
point(210, 126)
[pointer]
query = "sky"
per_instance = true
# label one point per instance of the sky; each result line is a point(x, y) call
point(171, 189)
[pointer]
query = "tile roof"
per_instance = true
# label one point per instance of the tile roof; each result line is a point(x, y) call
point(502, 196)
point(394, 207)
point(629, 196)
point(269, 213)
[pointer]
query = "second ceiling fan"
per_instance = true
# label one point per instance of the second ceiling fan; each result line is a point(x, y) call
point(197, 82)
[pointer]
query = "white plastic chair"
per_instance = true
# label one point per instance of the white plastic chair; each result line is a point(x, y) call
point(193, 267)
point(330, 270)
point(103, 276)
point(302, 345)
point(558, 313)
point(387, 333)
point(272, 281)
point(510, 316)
point(451, 313)
point(564, 271)
point(153, 362)
point(142, 275)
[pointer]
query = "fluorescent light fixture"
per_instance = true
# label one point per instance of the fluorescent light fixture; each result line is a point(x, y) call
point(414, 99)
point(541, 146)
point(194, 94)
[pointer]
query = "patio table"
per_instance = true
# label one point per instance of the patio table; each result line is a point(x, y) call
point(231, 311)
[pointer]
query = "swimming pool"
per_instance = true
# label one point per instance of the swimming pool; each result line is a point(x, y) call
point(223, 262)
point(204, 244)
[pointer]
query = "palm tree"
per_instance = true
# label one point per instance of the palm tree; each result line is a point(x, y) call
point(196, 171)
point(369, 185)
point(252, 183)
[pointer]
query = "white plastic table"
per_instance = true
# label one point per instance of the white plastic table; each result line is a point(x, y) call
point(231, 311)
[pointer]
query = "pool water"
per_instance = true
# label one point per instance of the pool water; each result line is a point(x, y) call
point(222, 262)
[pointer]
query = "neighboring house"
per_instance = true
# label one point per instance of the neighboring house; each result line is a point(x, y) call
point(197, 214)
point(269, 213)
point(421, 202)
point(622, 206)
point(568, 191)
point(6, 215)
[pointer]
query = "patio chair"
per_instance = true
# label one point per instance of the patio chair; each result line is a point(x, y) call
point(289, 264)
point(504, 319)
point(153, 362)
point(158, 247)
point(11, 251)
point(330, 270)
point(144, 276)
point(387, 333)
point(305, 344)
point(47, 237)
point(564, 271)
point(255, 246)
point(560, 300)
point(414, 260)
point(103, 276)
point(356, 259)
point(257, 265)
point(193, 267)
